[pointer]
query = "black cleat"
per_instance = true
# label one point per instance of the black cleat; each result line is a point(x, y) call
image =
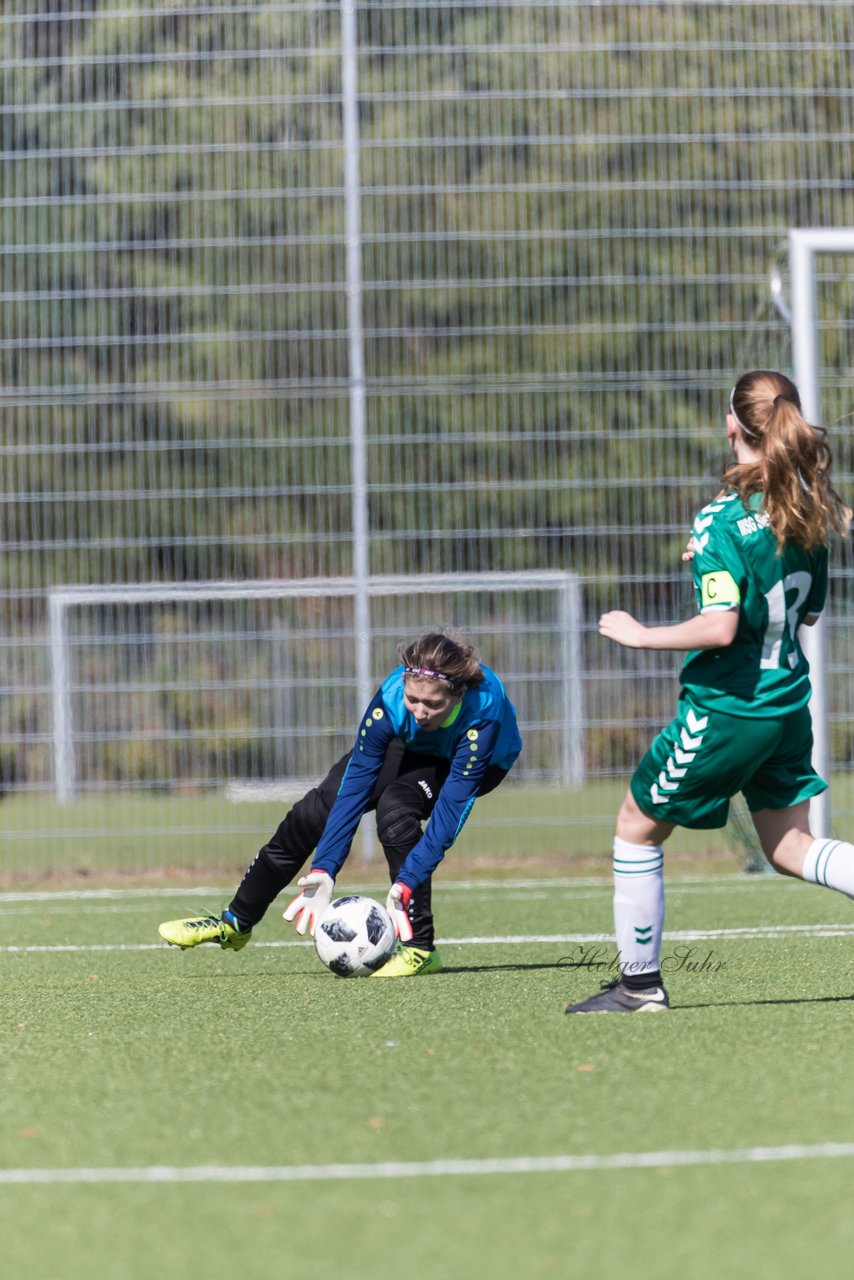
point(617, 998)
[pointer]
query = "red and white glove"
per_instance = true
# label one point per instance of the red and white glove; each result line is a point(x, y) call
point(397, 905)
point(310, 905)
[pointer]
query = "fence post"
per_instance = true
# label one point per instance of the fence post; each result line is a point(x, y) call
point(63, 743)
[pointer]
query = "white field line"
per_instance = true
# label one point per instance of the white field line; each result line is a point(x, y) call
point(603, 884)
point(431, 1168)
point(111, 901)
point(747, 934)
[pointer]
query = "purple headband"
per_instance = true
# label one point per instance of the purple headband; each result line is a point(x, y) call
point(426, 674)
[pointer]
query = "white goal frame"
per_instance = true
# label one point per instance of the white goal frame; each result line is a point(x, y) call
point(804, 245)
point(565, 585)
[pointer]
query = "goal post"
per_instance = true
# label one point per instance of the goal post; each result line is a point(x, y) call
point(564, 658)
point(805, 244)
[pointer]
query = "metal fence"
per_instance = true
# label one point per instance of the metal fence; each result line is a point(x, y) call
point(301, 291)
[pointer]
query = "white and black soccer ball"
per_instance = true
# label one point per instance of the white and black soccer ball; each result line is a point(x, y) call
point(354, 937)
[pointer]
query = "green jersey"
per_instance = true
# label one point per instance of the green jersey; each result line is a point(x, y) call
point(736, 563)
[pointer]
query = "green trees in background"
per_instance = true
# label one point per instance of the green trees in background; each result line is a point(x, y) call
point(567, 229)
point(568, 220)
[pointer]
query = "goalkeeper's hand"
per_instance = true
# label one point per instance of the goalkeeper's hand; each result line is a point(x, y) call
point(397, 905)
point(310, 905)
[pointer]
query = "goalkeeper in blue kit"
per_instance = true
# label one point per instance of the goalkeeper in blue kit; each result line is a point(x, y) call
point(759, 556)
point(439, 732)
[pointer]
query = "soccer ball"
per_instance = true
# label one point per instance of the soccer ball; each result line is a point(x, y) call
point(354, 936)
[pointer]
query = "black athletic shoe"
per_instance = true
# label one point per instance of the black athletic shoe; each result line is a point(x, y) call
point(617, 998)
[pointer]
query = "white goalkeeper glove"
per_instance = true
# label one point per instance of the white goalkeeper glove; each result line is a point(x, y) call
point(310, 905)
point(397, 905)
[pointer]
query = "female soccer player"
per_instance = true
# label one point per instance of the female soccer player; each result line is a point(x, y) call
point(759, 562)
point(439, 732)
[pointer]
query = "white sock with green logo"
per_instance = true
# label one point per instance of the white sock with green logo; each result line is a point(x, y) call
point(639, 909)
point(831, 863)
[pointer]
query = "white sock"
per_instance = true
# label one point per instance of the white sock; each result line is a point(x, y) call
point(831, 863)
point(638, 906)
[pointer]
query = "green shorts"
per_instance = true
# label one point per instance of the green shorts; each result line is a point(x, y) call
point(703, 758)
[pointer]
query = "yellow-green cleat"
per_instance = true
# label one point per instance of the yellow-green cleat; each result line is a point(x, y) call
point(409, 962)
point(223, 930)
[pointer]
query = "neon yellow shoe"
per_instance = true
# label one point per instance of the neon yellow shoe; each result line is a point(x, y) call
point(222, 929)
point(409, 962)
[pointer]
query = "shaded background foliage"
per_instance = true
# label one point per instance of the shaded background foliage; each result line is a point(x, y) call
point(569, 216)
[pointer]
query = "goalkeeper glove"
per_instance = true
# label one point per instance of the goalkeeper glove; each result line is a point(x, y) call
point(310, 905)
point(397, 905)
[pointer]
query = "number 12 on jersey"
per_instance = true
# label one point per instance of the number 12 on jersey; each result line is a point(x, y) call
point(783, 620)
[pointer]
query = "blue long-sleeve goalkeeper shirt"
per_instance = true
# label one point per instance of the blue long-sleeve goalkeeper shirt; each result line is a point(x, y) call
point(480, 731)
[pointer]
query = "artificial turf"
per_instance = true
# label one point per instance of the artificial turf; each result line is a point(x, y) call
point(123, 1055)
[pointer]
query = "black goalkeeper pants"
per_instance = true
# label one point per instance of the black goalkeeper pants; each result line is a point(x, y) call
point(403, 797)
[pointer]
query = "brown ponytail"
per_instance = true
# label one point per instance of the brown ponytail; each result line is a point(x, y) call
point(793, 470)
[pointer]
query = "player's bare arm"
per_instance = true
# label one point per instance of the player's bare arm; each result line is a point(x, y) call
point(712, 630)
